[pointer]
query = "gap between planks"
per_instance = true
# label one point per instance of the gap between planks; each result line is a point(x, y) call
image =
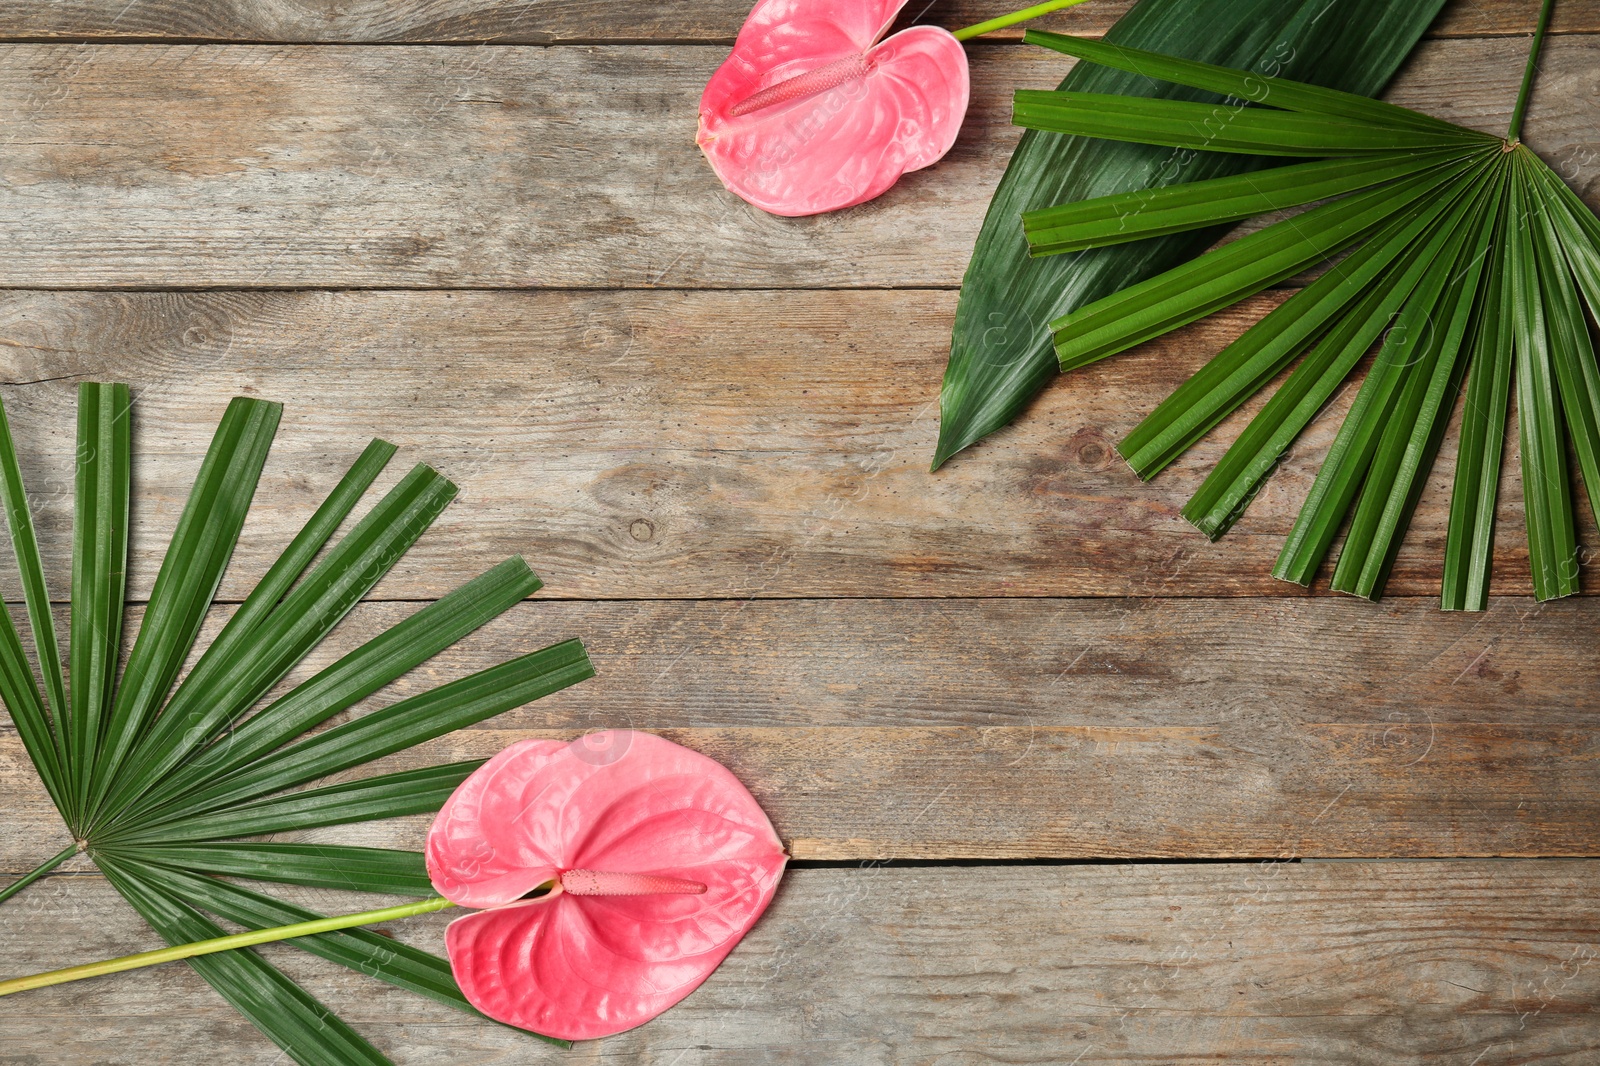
point(1324, 964)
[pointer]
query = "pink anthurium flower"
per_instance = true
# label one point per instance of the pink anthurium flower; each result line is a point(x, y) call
point(656, 860)
point(815, 110)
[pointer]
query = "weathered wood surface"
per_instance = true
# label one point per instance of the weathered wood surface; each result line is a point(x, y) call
point(1346, 964)
point(695, 472)
point(1241, 786)
point(647, 445)
point(1018, 729)
point(167, 166)
point(575, 21)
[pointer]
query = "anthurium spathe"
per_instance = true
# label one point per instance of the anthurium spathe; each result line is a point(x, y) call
point(612, 875)
point(816, 110)
point(654, 859)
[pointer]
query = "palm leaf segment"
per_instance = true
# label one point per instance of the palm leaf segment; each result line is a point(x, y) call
point(157, 781)
point(1468, 257)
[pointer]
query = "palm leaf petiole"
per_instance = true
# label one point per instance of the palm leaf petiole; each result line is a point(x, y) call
point(1520, 110)
point(966, 33)
point(222, 943)
point(38, 871)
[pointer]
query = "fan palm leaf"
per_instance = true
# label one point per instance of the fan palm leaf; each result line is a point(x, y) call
point(1468, 258)
point(158, 779)
point(1000, 352)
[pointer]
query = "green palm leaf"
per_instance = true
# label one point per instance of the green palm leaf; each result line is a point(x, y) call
point(1242, 86)
point(99, 570)
point(371, 953)
point(1469, 256)
point(189, 576)
point(1224, 277)
point(1329, 308)
point(383, 796)
point(158, 781)
point(1469, 544)
point(1000, 353)
point(318, 865)
point(287, 1013)
point(1206, 127)
point(1157, 212)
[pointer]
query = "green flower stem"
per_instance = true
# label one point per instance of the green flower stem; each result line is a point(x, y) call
point(221, 943)
point(1012, 19)
point(43, 868)
point(1515, 132)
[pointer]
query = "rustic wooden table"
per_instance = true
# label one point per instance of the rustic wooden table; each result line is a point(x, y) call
point(1064, 782)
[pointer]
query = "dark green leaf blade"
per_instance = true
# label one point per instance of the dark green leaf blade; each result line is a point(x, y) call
point(1242, 85)
point(1243, 368)
point(99, 574)
point(1213, 128)
point(352, 869)
point(401, 725)
point(38, 728)
point(197, 555)
point(312, 538)
point(25, 547)
point(270, 590)
point(1571, 350)
point(20, 691)
point(1469, 542)
point(1411, 440)
point(1228, 274)
point(1234, 481)
point(309, 1032)
point(1000, 354)
point(1350, 457)
point(355, 676)
point(420, 791)
point(1577, 228)
point(1546, 491)
point(1148, 213)
point(205, 703)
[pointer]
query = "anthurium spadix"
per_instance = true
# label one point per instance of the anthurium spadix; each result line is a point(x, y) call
point(655, 861)
point(817, 110)
point(611, 875)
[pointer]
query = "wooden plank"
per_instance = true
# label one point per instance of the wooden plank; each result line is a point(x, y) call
point(672, 444)
point(1362, 964)
point(572, 21)
point(1245, 786)
point(1023, 662)
point(171, 166)
point(1019, 729)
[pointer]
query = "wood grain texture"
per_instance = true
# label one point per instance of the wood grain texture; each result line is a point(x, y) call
point(573, 21)
point(1036, 657)
point(270, 166)
point(1242, 786)
point(1020, 729)
point(1347, 964)
point(670, 444)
